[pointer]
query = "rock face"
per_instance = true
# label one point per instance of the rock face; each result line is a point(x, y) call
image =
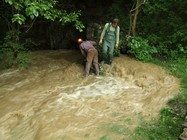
point(93, 31)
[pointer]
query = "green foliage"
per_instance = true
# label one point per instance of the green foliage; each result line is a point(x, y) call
point(9, 60)
point(169, 125)
point(103, 138)
point(116, 52)
point(177, 66)
point(101, 71)
point(179, 40)
point(46, 9)
point(140, 48)
point(23, 59)
point(1, 53)
point(18, 18)
point(13, 52)
point(72, 17)
point(119, 10)
point(118, 129)
point(167, 20)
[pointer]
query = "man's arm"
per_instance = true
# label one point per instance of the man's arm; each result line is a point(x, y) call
point(103, 33)
point(117, 36)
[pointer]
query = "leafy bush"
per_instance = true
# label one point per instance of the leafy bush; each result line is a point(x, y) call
point(140, 48)
point(116, 52)
point(164, 25)
point(49, 10)
point(12, 51)
point(23, 59)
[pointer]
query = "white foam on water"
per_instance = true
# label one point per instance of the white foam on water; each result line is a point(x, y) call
point(100, 87)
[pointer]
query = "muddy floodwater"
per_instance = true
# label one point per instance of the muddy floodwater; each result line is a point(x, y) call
point(51, 100)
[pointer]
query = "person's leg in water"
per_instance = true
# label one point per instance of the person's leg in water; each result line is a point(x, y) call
point(104, 52)
point(89, 59)
point(95, 63)
point(110, 53)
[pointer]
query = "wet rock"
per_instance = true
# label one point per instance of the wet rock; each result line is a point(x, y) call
point(183, 135)
point(93, 31)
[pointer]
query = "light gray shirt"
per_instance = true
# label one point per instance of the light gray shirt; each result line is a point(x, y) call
point(111, 29)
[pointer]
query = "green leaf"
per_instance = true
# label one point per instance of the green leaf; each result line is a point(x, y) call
point(18, 6)
point(18, 18)
point(9, 1)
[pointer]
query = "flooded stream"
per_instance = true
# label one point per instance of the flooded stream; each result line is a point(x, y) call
point(51, 100)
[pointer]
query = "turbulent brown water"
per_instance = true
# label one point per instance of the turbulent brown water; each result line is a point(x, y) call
point(53, 101)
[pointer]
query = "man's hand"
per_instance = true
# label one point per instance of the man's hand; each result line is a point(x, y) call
point(100, 41)
point(116, 46)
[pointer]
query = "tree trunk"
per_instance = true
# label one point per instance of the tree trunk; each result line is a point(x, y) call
point(133, 16)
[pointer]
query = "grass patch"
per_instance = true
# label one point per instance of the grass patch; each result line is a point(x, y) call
point(169, 124)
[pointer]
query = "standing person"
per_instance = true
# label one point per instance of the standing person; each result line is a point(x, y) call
point(109, 39)
point(90, 52)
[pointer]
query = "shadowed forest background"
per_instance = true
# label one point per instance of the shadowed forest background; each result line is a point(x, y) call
point(156, 28)
point(150, 31)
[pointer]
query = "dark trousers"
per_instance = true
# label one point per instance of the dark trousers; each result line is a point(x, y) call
point(92, 57)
